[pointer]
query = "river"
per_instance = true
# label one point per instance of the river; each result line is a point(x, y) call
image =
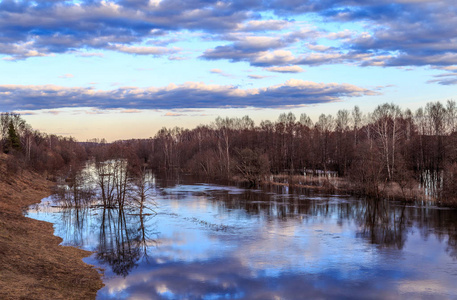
point(207, 241)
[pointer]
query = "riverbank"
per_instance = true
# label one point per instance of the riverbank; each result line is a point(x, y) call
point(33, 265)
point(408, 192)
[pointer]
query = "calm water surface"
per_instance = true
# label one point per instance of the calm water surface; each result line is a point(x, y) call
point(220, 242)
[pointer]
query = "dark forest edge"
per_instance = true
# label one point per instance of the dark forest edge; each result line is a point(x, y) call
point(389, 152)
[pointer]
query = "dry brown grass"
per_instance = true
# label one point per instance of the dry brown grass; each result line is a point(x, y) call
point(391, 190)
point(32, 264)
point(308, 182)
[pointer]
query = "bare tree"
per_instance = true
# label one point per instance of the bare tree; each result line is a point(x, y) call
point(223, 127)
point(436, 114)
point(324, 127)
point(386, 126)
point(142, 181)
point(357, 122)
point(305, 120)
point(343, 146)
point(451, 116)
point(252, 165)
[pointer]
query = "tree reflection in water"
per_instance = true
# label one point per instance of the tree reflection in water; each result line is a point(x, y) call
point(123, 242)
point(381, 224)
point(75, 221)
point(123, 238)
point(115, 242)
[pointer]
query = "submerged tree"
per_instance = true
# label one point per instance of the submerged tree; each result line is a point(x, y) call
point(141, 190)
point(252, 165)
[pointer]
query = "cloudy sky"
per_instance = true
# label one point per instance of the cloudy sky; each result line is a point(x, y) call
point(123, 69)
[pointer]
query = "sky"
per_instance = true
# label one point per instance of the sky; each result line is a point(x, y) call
point(124, 69)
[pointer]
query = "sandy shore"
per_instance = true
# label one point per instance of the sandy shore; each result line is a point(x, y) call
point(32, 264)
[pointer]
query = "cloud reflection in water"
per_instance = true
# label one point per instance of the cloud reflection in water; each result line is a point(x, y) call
point(279, 247)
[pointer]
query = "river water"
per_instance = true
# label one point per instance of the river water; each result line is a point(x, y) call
point(208, 241)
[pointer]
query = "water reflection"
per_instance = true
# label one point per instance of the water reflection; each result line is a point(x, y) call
point(382, 225)
point(75, 222)
point(123, 240)
point(218, 242)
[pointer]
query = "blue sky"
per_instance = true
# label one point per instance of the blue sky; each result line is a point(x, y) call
point(124, 69)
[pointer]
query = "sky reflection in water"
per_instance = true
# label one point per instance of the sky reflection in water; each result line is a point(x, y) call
point(216, 242)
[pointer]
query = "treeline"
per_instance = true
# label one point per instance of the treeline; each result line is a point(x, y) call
point(31, 149)
point(386, 148)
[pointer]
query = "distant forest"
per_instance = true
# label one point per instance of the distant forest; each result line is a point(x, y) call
point(368, 152)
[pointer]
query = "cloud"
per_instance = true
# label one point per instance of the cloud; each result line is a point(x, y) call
point(40, 28)
point(175, 57)
point(130, 111)
point(318, 48)
point(90, 54)
point(274, 58)
point(253, 76)
point(171, 114)
point(27, 113)
point(244, 49)
point(144, 50)
point(285, 69)
point(260, 50)
point(232, 277)
point(95, 111)
point(263, 25)
point(444, 79)
point(403, 33)
point(67, 76)
point(399, 33)
point(19, 51)
point(255, 58)
point(449, 68)
point(53, 112)
point(189, 95)
point(220, 72)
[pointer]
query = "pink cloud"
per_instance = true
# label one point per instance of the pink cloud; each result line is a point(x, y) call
point(171, 114)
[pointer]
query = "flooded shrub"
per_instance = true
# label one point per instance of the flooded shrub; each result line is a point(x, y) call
point(449, 191)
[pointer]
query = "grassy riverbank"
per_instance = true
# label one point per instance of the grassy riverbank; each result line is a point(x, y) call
point(408, 192)
point(33, 265)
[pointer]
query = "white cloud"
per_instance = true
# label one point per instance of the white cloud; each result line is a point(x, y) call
point(144, 50)
point(285, 69)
